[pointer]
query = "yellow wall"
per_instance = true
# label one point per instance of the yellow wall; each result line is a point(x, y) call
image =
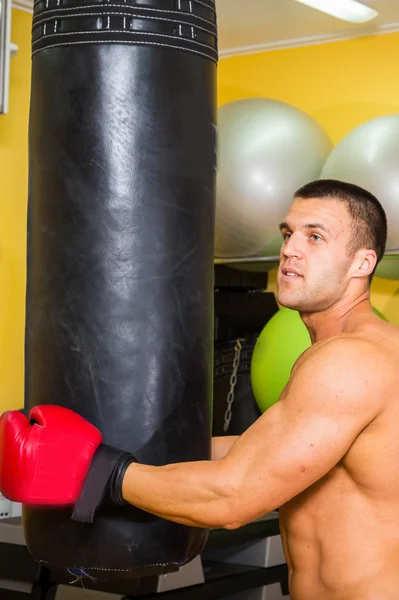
point(340, 84)
point(13, 177)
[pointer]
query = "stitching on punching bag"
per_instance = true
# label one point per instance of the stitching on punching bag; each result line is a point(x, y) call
point(139, 33)
point(136, 43)
point(199, 2)
point(176, 564)
point(65, 11)
point(132, 16)
point(178, 29)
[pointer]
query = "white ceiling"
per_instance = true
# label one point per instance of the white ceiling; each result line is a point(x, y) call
point(248, 25)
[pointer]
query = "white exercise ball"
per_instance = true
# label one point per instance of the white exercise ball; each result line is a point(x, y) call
point(266, 150)
point(369, 157)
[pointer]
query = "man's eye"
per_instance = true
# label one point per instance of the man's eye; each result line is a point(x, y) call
point(316, 237)
point(286, 236)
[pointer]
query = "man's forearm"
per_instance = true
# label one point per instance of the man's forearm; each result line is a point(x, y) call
point(199, 494)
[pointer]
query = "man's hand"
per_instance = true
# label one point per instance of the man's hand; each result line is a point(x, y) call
point(48, 460)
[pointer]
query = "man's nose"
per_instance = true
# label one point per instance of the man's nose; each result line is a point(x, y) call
point(291, 248)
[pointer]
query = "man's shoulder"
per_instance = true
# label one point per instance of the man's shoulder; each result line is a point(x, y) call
point(343, 377)
point(347, 346)
point(348, 357)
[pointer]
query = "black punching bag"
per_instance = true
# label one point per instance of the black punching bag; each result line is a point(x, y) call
point(119, 315)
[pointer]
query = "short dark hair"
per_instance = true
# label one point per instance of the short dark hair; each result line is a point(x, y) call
point(369, 218)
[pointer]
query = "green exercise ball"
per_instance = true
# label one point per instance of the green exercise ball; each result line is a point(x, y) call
point(388, 268)
point(283, 339)
point(379, 314)
point(281, 342)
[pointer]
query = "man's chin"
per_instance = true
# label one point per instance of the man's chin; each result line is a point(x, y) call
point(288, 301)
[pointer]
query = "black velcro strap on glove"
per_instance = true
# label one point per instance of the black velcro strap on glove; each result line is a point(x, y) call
point(105, 478)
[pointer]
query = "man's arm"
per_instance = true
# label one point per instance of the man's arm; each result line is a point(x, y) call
point(221, 445)
point(333, 395)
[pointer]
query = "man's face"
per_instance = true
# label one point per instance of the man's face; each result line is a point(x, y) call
point(314, 262)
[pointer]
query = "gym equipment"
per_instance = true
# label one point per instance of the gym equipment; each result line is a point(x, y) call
point(119, 311)
point(266, 150)
point(234, 406)
point(388, 268)
point(242, 306)
point(281, 342)
point(379, 314)
point(283, 339)
point(369, 156)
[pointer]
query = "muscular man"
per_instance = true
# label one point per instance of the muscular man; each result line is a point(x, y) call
point(326, 454)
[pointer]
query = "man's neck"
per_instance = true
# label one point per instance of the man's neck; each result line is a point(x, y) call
point(343, 317)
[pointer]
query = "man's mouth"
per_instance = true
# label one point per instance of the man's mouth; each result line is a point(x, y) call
point(290, 273)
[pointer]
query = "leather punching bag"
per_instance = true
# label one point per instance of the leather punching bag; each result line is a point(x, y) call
point(119, 314)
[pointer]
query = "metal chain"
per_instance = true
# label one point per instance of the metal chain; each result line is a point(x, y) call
point(233, 382)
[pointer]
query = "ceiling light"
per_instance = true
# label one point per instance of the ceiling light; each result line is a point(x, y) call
point(347, 10)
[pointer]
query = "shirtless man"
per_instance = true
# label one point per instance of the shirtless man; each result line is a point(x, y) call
point(327, 453)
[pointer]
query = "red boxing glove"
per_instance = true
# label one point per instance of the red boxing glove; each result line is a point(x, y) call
point(45, 460)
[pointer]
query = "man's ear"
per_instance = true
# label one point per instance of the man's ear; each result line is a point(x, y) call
point(364, 263)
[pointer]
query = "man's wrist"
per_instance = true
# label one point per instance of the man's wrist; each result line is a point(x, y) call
point(129, 475)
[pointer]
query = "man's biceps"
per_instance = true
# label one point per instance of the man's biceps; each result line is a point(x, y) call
point(331, 441)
